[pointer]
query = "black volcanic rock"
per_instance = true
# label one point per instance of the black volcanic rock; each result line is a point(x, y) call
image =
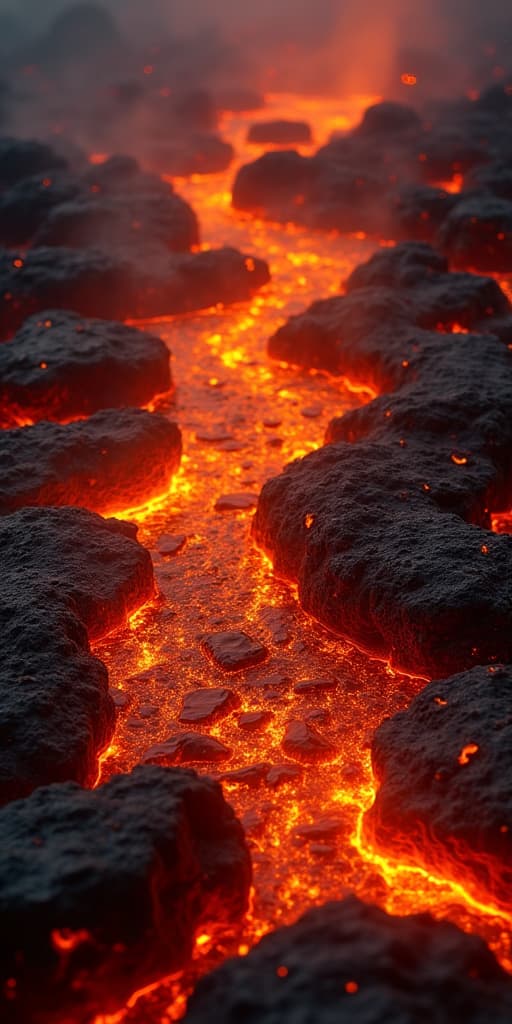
point(23, 158)
point(67, 575)
point(494, 177)
point(25, 206)
point(121, 220)
point(478, 233)
point(186, 154)
point(279, 133)
point(386, 529)
point(388, 118)
point(233, 651)
point(119, 458)
point(61, 365)
point(273, 182)
point(102, 892)
point(442, 768)
point(417, 211)
point(118, 285)
point(351, 963)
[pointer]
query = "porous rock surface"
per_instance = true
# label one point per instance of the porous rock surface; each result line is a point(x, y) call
point(442, 768)
point(61, 365)
point(102, 892)
point(351, 963)
point(117, 285)
point(118, 458)
point(386, 528)
point(67, 576)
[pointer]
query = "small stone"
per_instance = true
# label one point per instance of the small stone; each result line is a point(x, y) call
point(318, 685)
point(253, 721)
point(311, 412)
point(320, 716)
point(281, 773)
point(271, 422)
point(275, 682)
point(148, 710)
point(302, 742)
point(322, 850)
point(232, 446)
point(169, 544)
point(324, 828)
point(238, 501)
point(215, 436)
point(233, 651)
point(275, 442)
point(253, 775)
point(121, 698)
point(186, 748)
point(207, 705)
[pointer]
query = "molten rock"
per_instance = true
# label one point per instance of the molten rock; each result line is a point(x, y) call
point(117, 459)
point(116, 286)
point(61, 365)
point(102, 892)
point(68, 575)
point(450, 810)
point(349, 962)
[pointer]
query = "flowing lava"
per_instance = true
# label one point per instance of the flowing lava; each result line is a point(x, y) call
point(243, 418)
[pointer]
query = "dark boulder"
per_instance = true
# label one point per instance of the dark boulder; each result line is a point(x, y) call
point(24, 158)
point(119, 458)
point(280, 133)
point(478, 234)
point(102, 892)
point(60, 365)
point(351, 963)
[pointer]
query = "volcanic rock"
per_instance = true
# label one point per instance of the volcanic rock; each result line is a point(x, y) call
point(252, 775)
point(62, 365)
point(239, 501)
point(25, 206)
point(361, 516)
point(417, 211)
point(302, 742)
point(233, 651)
point(478, 233)
point(441, 767)
point(315, 685)
point(349, 962)
point(169, 544)
point(23, 158)
point(254, 721)
point(388, 119)
point(187, 748)
point(280, 133)
point(272, 183)
point(494, 177)
point(118, 286)
point(121, 220)
point(68, 575)
point(201, 153)
point(102, 891)
point(207, 705)
point(280, 774)
point(119, 458)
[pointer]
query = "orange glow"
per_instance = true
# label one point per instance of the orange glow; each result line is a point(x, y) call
point(98, 158)
point(459, 460)
point(242, 419)
point(407, 79)
point(18, 263)
point(65, 940)
point(454, 185)
point(467, 753)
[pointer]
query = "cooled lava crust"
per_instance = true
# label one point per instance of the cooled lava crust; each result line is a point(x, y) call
point(102, 892)
point(116, 459)
point(68, 577)
point(386, 528)
point(351, 963)
point(442, 769)
point(60, 365)
point(387, 178)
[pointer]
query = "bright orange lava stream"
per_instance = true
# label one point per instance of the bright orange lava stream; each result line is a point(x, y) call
point(243, 417)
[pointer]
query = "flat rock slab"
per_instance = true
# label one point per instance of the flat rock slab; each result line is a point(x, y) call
point(207, 705)
point(60, 365)
point(319, 685)
point(67, 576)
point(187, 748)
point(387, 528)
point(115, 285)
point(254, 721)
point(349, 962)
point(102, 891)
point(239, 501)
point(280, 133)
point(171, 544)
point(233, 651)
point(303, 742)
point(119, 458)
point(443, 771)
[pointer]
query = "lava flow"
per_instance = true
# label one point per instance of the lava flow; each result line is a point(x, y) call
point(243, 418)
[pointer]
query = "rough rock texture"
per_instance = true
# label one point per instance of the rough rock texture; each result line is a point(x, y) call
point(117, 286)
point(67, 575)
point(187, 748)
point(233, 651)
point(302, 742)
point(119, 458)
point(396, 174)
point(386, 528)
point(22, 158)
point(25, 206)
point(60, 365)
point(102, 892)
point(349, 963)
point(279, 133)
point(207, 705)
point(442, 769)
point(121, 220)
point(478, 233)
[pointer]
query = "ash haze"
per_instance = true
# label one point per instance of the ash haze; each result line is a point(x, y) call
point(313, 45)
